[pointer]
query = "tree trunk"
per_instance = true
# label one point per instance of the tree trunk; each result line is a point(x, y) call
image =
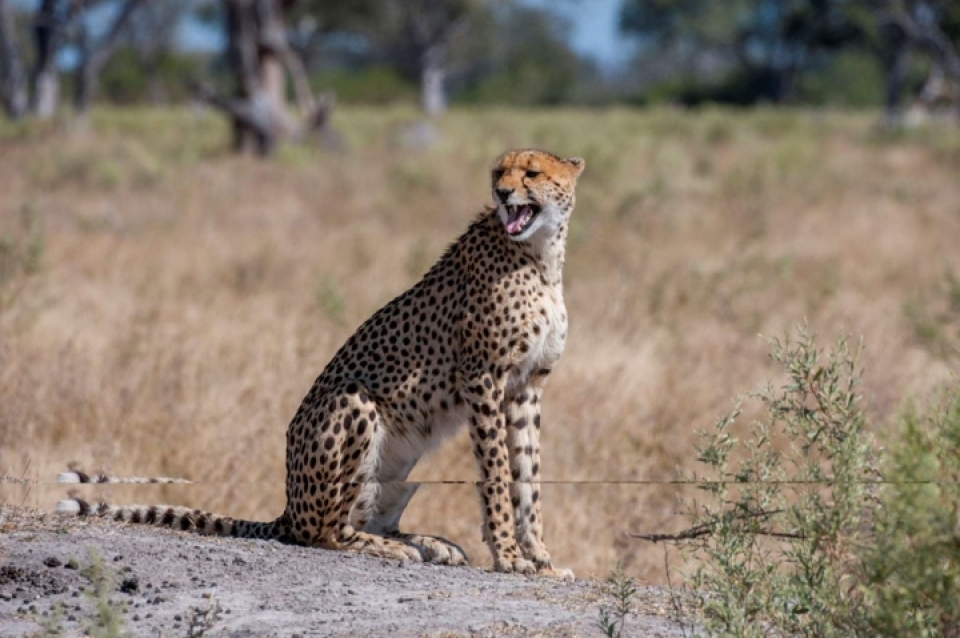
point(259, 57)
point(46, 80)
point(84, 72)
point(248, 136)
point(273, 80)
point(46, 93)
point(13, 90)
point(430, 27)
point(895, 63)
point(908, 27)
point(433, 97)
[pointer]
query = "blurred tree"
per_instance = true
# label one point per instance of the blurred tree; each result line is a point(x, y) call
point(768, 42)
point(60, 21)
point(125, 78)
point(780, 40)
point(94, 54)
point(418, 35)
point(13, 81)
point(520, 55)
point(930, 26)
point(260, 55)
point(49, 30)
point(313, 20)
point(151, 37)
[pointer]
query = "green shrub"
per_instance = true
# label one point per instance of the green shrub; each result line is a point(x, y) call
point(851, 78)
point(376, 86)
point(125, 79)
point(106, 620)
point(784, 519)
point(911, 572)
point(622, 589)
point(809, 529)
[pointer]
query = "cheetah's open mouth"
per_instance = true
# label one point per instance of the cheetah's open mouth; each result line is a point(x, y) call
point(520, 217)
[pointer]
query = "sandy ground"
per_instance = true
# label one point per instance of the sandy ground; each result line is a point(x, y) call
point(171, 584)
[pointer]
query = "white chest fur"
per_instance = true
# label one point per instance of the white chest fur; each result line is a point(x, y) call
point(546, 335)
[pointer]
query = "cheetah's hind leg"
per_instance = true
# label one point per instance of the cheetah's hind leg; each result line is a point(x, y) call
point(331, 452)
point(381, 506)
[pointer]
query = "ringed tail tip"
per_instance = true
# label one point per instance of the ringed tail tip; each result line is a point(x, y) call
point(69, 477)
point(71, 507)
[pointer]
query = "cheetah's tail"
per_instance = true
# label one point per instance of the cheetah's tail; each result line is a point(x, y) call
point(182, 518)
point(82, 477)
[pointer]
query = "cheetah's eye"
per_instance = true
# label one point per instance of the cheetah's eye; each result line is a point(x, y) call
point(532, 174)
point(497, 174)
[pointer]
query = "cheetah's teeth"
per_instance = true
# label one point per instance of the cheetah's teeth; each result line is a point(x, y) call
point(518, 217)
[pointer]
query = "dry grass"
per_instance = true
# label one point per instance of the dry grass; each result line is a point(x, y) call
point(165, 306)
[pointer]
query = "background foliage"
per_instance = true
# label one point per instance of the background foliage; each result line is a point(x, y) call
point(810, 529)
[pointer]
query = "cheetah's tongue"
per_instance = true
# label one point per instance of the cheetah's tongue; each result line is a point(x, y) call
point(517, 217)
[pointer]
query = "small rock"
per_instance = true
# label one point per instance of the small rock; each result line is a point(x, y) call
point(52, 561)
point(72, 564)
point(130, 585)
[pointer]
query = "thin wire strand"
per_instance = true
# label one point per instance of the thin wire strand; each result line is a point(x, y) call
point(640, 482)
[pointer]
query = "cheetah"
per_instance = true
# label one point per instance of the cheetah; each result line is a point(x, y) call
point(472, 343)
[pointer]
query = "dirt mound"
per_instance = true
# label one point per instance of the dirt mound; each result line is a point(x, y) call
point(149, 581)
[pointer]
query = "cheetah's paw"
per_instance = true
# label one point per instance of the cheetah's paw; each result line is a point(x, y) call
point(435, 549)
point(556, 572)
point(383, 547)
point(515, 565)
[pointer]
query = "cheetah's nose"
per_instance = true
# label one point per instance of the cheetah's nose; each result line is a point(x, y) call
point(504, 194)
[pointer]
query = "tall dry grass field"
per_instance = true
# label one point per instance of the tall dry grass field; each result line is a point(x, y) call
point(165, 306)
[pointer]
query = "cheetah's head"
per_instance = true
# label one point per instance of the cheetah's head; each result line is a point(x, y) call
point(534, 191)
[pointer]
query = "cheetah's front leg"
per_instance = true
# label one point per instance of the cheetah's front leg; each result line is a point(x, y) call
point(488, 432)
point(523, 442)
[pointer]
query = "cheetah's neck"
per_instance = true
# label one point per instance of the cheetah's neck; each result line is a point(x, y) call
point(549, 252)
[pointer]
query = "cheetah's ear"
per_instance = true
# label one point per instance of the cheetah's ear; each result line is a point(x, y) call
point(577, 163)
